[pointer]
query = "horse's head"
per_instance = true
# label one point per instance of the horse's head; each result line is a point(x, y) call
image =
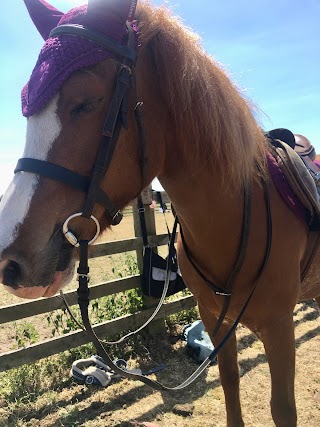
point(76, 103)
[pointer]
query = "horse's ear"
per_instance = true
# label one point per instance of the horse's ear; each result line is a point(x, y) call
point(44, 16)
point(119, 10)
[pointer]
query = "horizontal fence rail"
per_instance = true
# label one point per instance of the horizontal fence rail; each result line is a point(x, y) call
point(43, 305)
point(74, 339)
point(127, 245)
point(20, 311)
point(49, 347)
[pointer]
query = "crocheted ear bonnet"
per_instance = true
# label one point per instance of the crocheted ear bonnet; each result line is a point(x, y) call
point(61, 55)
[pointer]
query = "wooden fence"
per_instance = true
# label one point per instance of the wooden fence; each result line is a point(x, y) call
point(56, 345)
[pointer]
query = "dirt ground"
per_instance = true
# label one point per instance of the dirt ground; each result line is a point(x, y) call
point(126, 403)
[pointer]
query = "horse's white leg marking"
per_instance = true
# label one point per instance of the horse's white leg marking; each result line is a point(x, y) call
point(42, 130)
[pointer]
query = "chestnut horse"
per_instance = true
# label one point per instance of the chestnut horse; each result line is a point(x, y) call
point(202, 142)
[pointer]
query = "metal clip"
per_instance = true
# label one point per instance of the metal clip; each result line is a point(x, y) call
point(224, 294)
point(84, 276)
point(117, 218)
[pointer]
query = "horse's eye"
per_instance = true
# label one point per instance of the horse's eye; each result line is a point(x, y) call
point(87, 107)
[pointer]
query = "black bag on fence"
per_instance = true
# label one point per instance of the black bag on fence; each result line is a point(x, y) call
point(154, 273)
point(154, 266)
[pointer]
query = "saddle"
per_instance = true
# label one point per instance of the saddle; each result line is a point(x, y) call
point(299, 143)
point(295, 156)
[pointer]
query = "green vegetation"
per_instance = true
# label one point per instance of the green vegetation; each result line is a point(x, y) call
point(26, 334)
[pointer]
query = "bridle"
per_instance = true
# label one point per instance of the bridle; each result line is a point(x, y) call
point(116, 119)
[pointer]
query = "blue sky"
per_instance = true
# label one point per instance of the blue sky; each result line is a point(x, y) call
point(271, 49)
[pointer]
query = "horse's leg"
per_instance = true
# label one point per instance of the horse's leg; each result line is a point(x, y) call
point(228, 368)
point(279, 342)
point(318, 302)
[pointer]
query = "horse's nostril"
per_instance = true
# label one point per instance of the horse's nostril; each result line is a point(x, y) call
point(12, 274)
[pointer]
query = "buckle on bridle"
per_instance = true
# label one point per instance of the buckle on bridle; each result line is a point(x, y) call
point(224, 294)
point(117, 217)
point(84, 276)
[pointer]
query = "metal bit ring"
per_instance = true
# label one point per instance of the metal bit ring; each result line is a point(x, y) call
point(71, 237)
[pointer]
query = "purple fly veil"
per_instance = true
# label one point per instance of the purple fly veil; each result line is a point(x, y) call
point(61, 55)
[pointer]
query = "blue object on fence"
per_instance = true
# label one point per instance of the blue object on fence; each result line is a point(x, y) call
point(198, 341)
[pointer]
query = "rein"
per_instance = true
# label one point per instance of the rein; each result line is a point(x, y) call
point(226, 291)
point(116, 118)
point(83, 298)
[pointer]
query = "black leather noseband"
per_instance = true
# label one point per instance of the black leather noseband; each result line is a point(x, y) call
point(73, 179)
point(115, 120)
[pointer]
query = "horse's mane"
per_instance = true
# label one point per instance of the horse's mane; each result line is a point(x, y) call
point(207, 107)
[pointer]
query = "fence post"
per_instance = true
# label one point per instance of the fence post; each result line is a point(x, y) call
point(156, 326)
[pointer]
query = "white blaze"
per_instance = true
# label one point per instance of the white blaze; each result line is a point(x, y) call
point(42, 130)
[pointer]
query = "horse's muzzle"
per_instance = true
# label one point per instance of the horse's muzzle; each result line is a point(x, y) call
point(34, 274)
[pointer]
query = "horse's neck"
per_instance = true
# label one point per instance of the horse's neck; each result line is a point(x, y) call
point(199, 196)
point(210, 216)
